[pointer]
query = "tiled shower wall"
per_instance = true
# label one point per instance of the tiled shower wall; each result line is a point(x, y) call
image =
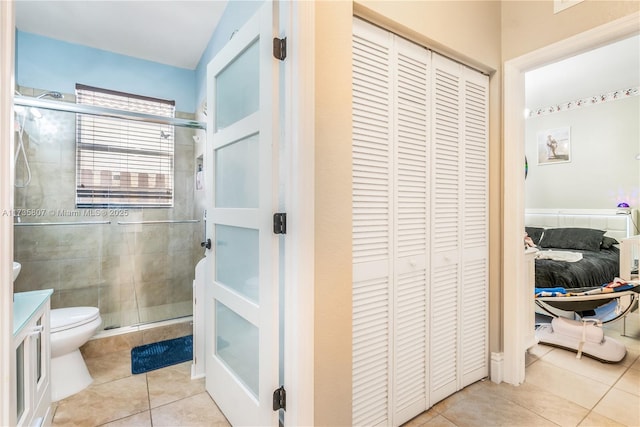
point(134, 273)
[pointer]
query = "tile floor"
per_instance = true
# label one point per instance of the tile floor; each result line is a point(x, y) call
point(165, 397)
point(559, 390)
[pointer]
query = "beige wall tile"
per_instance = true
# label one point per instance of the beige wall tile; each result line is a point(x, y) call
point(107, 345)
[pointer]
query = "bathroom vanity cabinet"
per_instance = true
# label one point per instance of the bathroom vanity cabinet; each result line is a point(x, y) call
point(31, 401)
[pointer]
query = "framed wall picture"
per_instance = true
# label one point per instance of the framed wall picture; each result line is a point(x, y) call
point(554, 146)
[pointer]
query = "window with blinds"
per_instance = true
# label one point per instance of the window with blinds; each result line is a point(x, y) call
point(123, 163)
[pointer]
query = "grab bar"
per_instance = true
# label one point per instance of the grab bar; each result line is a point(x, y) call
point(160, 221)
point(21, 224)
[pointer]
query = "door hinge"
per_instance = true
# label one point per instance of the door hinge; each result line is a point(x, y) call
point(280, 48)
point(280, 223)
point(280, 399)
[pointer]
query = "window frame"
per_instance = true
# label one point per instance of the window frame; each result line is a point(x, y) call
point(117, 161)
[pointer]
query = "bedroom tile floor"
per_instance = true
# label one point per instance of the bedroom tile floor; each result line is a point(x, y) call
point(559, 390)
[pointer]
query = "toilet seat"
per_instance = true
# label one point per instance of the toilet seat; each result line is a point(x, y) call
point(72, 317)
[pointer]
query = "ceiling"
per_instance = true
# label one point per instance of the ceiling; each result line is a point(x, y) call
point(176, 32)
point(597, 72)
point(172, 32)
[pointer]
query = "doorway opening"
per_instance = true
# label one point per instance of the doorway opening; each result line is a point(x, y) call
point(513, 202)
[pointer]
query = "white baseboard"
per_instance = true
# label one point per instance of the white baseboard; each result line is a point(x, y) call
point(497, 366)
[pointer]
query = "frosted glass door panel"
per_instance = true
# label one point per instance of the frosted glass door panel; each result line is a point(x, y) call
point(237, 88)
point(237, 260)
point(237, 346)
point(237, 172)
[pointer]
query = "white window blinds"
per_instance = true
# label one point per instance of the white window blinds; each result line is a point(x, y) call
point(123, 163)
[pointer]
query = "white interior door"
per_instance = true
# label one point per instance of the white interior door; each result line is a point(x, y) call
point(241, 292)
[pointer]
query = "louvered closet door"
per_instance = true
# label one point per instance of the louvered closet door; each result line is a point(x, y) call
point(372, 224)
point(419, 227)
point(411, 229)
point(458, 300)
point(390, 227)
point(445, 228)
point(474, 283)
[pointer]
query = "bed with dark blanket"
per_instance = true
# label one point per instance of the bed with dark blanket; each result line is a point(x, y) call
point(600, 261)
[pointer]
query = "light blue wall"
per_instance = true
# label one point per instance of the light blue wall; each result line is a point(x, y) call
point(235, 15)
point(46, 63)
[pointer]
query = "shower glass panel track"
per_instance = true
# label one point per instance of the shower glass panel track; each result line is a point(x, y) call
point(135, 264)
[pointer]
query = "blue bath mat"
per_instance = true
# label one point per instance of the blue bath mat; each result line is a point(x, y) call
point(161, 354)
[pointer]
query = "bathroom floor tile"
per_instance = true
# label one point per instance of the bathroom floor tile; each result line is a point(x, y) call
point(142, 419)
point(172, 383)
point(102, 403)
point(109, 367)
point(198, 410)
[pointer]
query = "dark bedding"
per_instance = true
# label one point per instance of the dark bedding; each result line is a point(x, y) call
point(594, 269)
point(599, 265)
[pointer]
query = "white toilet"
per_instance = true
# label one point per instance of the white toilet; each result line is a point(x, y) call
point(70, 328)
